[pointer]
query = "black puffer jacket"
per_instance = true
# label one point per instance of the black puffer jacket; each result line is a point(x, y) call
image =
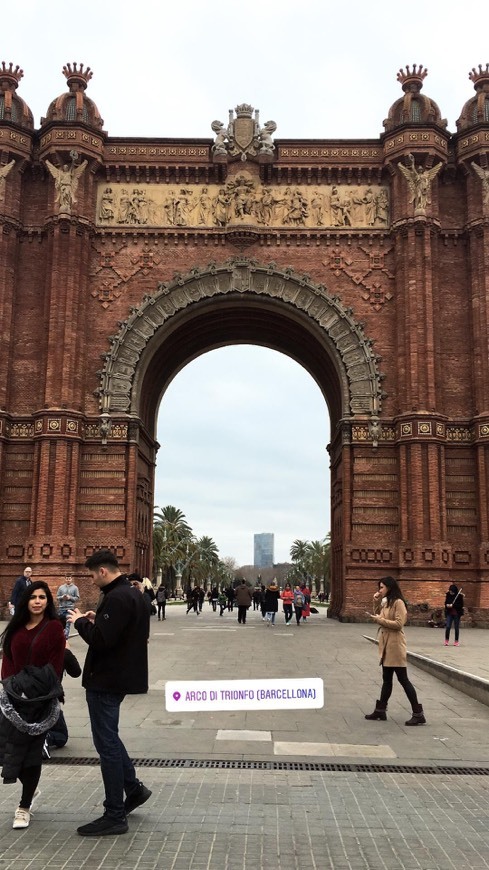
point(29, 706)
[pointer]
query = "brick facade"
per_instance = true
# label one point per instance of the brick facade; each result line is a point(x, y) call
point(103, 300)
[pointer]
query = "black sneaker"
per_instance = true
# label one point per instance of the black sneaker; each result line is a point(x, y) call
point(103, 827)
point(137, 798)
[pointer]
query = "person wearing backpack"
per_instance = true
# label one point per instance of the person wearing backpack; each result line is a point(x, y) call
point(299, 602)
point(454, 610)
point(161, 601)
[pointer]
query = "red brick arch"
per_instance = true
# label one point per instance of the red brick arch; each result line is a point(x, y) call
point(236, 302)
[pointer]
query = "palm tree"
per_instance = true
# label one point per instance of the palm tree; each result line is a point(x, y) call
point(318, 557)
point(298, 551)
point(206, 559)
point(171, 538)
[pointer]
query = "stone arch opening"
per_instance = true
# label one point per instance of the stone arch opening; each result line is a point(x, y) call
point(240, 302)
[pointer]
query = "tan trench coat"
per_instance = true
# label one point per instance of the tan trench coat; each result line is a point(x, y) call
point(391, 637)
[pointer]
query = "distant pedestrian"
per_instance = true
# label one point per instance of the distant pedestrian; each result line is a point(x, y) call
point(230, 596)
point(193, 600)
point(243, 600)
point(214, 597)
point(390, 614)
point(287, 597)
point(223, 602)
point(116, 664)
point(272, 596)
point(256, 598)
point(306, 610)
point(201, 598)
point(67, 597)
point(20, 586)
point(161, 601)
point(299, 601)
point(454, 610)
point(263, 595)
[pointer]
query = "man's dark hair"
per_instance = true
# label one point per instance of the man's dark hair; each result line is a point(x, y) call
point(102, 559)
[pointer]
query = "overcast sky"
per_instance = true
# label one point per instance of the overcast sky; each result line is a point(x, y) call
point(243, 430)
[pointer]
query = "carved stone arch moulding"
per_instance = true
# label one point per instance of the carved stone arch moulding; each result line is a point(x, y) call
point(242, 275)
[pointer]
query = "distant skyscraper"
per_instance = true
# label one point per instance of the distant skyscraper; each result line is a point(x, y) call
point(263, 550)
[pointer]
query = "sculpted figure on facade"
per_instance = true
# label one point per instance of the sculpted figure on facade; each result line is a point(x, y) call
point(382, 207)
point(241, 191)
point(4, 171)
point(419, 183)
point(205, 208)
point(317, 208)
point(106, 211)
point(219, 146)
point(266, 142)
point(484, 177)
point(221, 208)
point(66, 179)
point(297, 209)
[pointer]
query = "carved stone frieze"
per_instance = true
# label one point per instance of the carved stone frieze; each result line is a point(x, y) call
point(242, 201)
point(241, 275)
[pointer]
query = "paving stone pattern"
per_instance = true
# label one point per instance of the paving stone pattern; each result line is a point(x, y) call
point(225, 819)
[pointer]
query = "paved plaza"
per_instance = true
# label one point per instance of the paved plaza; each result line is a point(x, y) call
point(276, 789)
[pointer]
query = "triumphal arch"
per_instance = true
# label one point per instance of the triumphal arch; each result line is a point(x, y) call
point(367, 261)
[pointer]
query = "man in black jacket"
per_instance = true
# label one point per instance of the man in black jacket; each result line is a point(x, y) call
point(116, 665)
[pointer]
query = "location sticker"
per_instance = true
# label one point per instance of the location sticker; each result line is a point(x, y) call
point(292, 694)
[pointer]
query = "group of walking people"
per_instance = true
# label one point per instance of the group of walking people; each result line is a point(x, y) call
point(295, 601)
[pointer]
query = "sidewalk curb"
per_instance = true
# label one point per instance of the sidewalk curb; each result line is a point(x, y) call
point(476, 687)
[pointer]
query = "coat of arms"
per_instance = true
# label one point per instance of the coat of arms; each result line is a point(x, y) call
point(243, 136)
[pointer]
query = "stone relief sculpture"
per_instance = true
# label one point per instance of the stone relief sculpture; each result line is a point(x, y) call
point(484, 177)
point(243, 137)
point(66, 179)
point(243, 200)
point(419, 183)
point(4, 171)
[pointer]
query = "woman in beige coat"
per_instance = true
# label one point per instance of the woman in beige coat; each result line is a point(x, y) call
point(390, 614)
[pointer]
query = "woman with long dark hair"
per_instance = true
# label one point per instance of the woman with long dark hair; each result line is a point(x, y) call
point(34, 636)
point(390, 614)
point(454, 610)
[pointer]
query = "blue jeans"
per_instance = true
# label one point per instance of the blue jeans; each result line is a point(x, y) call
point(67, 624)
point(455, 619)
point(118, 772)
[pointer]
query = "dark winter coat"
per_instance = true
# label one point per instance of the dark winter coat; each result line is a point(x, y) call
point(454, 601)
point(243, 595)
point(117, 657)
point(29, 706)
point(272, 596)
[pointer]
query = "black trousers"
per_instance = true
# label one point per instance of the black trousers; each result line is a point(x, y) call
point(401, 674)
point(242, 608)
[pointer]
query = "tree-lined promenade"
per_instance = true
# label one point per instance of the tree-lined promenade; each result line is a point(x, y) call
point(182, 560)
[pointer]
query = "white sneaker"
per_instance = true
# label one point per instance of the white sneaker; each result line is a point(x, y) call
point(22, 818)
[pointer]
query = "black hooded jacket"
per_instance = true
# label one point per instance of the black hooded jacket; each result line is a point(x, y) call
point(29, 706)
